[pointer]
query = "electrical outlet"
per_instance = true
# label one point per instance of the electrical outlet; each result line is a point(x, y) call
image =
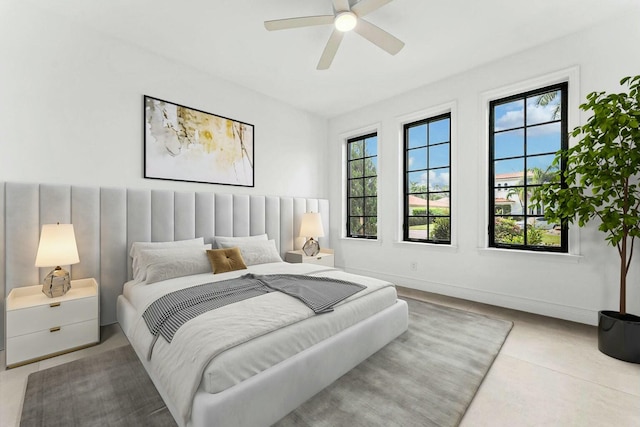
point(413, 266)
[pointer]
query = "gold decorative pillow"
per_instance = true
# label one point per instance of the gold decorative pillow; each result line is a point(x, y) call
point(224, 260)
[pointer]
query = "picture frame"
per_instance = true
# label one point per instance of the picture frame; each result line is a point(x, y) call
point(186, 144)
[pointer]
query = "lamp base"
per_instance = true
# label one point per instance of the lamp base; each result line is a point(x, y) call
point(57, 283)
point(311, 247)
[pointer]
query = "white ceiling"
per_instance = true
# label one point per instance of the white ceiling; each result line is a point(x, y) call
point(227, 38)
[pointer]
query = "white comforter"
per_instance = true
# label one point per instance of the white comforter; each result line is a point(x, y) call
point(181, 364)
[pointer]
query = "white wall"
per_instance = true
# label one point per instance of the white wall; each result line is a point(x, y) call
point(573, 288)
point(71, 111)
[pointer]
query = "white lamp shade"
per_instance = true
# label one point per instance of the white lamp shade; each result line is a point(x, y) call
point(57, 246)
point(311, 225)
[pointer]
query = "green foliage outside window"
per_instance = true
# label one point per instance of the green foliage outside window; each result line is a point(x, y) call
point(441, 229)
point(362, 186)
point(507, 230)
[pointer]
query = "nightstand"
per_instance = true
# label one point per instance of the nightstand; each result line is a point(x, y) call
point(39, 327)
point(325, 257)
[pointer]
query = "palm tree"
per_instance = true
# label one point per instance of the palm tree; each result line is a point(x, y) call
point(547, 99)
point(536, 177)
point(518, 192)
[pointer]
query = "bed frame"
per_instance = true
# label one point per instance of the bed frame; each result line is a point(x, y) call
point(108, 220)
point(270, 395)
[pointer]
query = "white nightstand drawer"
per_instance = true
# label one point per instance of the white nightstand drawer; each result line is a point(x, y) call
point(325, 257)
point(39, 326)
point(40, 344)
point(42, 317)
point(321, 259)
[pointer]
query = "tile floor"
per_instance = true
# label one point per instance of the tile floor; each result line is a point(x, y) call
point(548, 373)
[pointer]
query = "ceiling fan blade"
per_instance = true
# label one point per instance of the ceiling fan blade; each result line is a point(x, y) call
point(364, 7)
point(341, 5)
point(303, 21)
point(379, 37)
point(330, 50)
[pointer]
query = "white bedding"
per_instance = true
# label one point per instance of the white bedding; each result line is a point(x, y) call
point(182, 367)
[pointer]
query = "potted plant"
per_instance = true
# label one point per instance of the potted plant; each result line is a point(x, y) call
point(602, 180)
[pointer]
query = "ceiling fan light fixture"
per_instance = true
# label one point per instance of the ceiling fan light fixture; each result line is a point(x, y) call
point(345, 21)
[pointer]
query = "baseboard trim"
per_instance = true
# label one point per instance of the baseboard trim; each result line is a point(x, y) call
point(529, 305)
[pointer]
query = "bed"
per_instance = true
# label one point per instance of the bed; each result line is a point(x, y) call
point(109, 220)
point(262, 356)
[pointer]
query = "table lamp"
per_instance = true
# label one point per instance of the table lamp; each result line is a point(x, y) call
point(310, 227)
point(57, 247)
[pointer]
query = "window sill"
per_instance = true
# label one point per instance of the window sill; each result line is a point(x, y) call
point(551, 256)
point(428, 246)
point(366, 241)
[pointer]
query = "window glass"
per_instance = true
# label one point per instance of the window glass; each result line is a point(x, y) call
point(362, 187)
point(427, 170)
point(526, 131)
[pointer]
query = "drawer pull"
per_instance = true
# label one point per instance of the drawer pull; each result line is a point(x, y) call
point(54, 329)
point(54, 304)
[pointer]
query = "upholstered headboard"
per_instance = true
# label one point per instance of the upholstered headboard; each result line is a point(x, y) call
point(108, 220)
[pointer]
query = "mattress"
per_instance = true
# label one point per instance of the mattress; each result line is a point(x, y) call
point(249, 358)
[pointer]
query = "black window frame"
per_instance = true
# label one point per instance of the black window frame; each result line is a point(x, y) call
point(364, 196)
point(406, 213)
point(563, 88)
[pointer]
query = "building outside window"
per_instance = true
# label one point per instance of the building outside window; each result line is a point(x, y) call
point(525, 132)
point(427, 180)
point(362, 186)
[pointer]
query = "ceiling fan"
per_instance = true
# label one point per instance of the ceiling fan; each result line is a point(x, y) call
point(345, 18)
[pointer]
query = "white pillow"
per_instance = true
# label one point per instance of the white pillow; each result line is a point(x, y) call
point(167, 263)
point(136, 247)
point(256, 252)
point(235, 241)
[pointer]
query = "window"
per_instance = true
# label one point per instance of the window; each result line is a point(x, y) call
point(525, 132)
point(427, 170)
point(362, 187)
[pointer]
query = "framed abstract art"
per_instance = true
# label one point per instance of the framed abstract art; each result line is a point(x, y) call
point(185, 144)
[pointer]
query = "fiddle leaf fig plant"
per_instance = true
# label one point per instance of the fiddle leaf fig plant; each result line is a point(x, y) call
point(602, 174)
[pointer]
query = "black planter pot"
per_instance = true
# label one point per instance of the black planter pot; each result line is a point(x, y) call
point(619, 336)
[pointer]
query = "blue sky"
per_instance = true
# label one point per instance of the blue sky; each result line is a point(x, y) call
point(541, 138)
point(371, 146)
point(437, 133)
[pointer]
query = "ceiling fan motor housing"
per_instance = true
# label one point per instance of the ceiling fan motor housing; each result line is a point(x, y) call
point(345, 21)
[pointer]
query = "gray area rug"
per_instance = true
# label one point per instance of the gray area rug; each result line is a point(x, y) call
point(426, 377)
point(108, 389)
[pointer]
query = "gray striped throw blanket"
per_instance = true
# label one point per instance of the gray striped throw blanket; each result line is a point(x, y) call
point(168, 313)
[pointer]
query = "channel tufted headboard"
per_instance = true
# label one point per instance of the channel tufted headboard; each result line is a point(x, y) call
point(107, 220)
